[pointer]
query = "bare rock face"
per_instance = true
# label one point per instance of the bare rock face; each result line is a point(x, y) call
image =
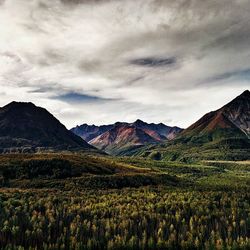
point(238, 112)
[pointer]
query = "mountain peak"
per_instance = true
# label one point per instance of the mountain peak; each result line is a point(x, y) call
point(240, 99)
point(138, 122)
point(246, 93)
point(15, 104)
point(240, 102)
point(231, 119)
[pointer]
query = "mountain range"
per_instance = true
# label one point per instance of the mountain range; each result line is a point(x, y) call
point(220, 134)
point(120, 137)
point(25, 127)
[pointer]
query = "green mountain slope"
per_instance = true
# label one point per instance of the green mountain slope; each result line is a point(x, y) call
point(221, 134)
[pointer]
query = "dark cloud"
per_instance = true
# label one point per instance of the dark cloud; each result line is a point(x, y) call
point(154, 62)
point(73, 97)
point(76, 2)
point(90, 66)
point(135, 80)
point(236, 75)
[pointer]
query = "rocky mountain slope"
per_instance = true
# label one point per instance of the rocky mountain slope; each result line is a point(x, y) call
point(232, 120)
point(121, 136)
point(89, 132)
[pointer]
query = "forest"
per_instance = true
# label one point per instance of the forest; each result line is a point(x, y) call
point(144, 204)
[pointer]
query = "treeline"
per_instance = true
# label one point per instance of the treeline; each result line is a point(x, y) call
point(98, 182)
point(144, 218)
point(54, 168)
point(59, 166)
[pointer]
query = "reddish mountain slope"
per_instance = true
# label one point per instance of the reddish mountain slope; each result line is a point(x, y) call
point(123, 136)
point(233, 119)
point(164, 131)
point(219, 135)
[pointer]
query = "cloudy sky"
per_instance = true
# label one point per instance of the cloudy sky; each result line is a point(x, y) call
point(100, 61)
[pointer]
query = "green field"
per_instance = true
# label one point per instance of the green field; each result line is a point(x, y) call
point(81, 201)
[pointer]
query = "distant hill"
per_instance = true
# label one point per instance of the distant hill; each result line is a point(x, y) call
point(122, 137)
point(25, 127)
point(221, 134)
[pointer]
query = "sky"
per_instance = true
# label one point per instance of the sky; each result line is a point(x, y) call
point(102, 61)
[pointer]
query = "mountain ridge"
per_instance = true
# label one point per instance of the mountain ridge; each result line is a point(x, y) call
point(120, 136)
point(27, 127)
point(222, 134)
point(233, 116)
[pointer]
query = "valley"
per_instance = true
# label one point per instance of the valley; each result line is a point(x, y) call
point(124, 125)
point(128, 186)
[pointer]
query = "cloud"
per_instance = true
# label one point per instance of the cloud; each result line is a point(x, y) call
point(42, 89)
point(78, 98)
point(153, 62)
point(243, 75)
point(106, 60)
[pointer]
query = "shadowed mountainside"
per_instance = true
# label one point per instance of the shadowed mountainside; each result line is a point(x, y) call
point(25, 127)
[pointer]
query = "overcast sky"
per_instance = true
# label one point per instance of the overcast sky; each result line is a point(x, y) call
point(101, 61)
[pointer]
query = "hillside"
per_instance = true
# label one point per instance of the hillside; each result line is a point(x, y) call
point(232, 120)
point(222, 134)
point(25, 127)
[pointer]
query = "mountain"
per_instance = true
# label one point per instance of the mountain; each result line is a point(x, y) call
point(232, 120)
point(223, 134)
point(89, 132)
point(25, 127)
point(165, 131)
point(121, 137)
